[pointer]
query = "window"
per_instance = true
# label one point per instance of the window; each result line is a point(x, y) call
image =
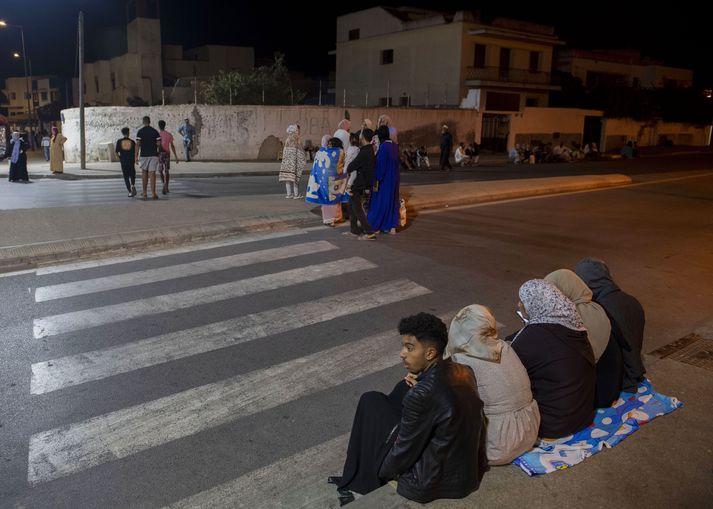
point(387, 56)
point(354, 34)
point(384, 101)
point(96, 83)
point(504, 62)
point(479, 58)
point(43, 96)
point(531, 101)
point(113, 81)
point(535, 57)
point(404, 100)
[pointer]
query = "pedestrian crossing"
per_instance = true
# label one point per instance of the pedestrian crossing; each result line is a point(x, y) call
point(43, 193)
point(85, 304)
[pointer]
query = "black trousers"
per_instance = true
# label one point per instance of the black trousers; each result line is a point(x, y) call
point(357, 214)
point(445, 163)
point(129, 173)
point(610, 371)
point(373, 433)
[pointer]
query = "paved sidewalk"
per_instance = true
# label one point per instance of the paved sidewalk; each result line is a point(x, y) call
point(33, 237)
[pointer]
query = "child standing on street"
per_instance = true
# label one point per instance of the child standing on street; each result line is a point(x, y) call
point(125, 149)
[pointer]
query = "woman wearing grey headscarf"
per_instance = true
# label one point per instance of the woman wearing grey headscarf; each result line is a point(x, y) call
point(554, 348)
point(513, 418)
point(18, 159)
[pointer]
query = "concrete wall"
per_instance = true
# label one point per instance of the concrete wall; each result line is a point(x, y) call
point(618, 131)
point(257, 132)
point(225, 133)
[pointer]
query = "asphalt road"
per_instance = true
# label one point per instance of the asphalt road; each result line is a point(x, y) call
point(43, 193)
point(143, 382)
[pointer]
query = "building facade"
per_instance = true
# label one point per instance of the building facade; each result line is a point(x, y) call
point(620, 67)
point(405, 56)
point(154, 73)
point(45, 90)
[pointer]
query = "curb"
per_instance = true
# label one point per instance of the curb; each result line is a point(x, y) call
point(14, 258)
point(29, 256)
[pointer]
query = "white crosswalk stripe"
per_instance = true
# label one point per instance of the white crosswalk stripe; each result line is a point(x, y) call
point(70, 449)
point(91, 264)
point(290, 482)
point(177, 271)
point(75, 446)
point(77, 369)
point(78, 320)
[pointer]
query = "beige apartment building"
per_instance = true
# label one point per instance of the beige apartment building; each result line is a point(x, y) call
point(625, 67)
point(153, 71)
point(44, 90)
point(406, 56)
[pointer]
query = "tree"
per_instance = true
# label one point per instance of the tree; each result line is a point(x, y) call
point(265, 85)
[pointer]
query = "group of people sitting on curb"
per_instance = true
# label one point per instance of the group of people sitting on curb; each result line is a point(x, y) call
point(553, 153)
point(471, 400)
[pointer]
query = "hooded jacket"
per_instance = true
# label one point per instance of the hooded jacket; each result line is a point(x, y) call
point(625, 314)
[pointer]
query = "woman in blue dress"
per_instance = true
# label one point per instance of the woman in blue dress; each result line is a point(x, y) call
point(384, 206)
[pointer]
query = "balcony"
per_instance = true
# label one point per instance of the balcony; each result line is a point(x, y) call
point(497, 76)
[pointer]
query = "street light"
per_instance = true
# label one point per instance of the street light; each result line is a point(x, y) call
point(4, 24)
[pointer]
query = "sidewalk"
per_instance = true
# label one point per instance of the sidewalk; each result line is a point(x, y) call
point(32, 237)
point(38, 168)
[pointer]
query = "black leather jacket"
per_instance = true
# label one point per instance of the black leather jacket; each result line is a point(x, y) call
point(440, 448)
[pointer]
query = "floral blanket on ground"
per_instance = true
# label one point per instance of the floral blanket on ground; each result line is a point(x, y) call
point(611, 426)
point(326, 180)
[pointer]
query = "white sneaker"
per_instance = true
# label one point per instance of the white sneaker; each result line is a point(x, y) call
point(298, 196)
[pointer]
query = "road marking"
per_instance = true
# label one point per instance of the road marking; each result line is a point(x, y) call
point(299, 480)
point(78, 320)
point(76, 447)
point(142, 277)
point(243, 239)
point(73, 370)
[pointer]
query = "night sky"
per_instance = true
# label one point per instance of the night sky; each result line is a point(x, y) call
point(305, 31)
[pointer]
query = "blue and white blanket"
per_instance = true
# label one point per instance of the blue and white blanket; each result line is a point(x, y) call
point(611, 426)
point(322, 188)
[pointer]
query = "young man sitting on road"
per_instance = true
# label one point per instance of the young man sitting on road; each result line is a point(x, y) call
point(428, 433)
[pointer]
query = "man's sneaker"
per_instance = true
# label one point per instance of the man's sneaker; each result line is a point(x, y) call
point(298, 196)
point(133, 191)
point(367, 236)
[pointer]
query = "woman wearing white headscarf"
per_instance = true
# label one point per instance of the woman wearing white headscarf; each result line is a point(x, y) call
point(513, 418)
point(554, 348)
point(293, 162)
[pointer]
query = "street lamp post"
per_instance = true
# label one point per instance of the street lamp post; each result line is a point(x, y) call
point(4, 24)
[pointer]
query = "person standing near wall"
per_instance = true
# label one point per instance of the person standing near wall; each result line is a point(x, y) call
point(187, 131)
point(446, 147)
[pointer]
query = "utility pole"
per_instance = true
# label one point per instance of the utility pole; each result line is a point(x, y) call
point(82, 138)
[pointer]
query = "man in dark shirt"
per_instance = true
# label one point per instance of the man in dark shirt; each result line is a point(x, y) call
point(126, 150)
point(148, 141)
point(361, 178)
point(446, 147)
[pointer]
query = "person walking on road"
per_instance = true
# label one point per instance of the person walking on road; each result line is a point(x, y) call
point(293, 163)
point(46, 145)
point(126, 151)
point(57, 151)
point(187, 131)
point(164, 156)
point(148, 140)
point(446, 147)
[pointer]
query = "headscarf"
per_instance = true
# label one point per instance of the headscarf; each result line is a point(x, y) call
point(16, 147)
point(292, 135)
point(292, 129)
point(593, 315)
point(345, 124)
point(366, 124)
point(546, 304)
point(325, 140)
point(595, 274)
point(55, 132)
point(473, 332)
